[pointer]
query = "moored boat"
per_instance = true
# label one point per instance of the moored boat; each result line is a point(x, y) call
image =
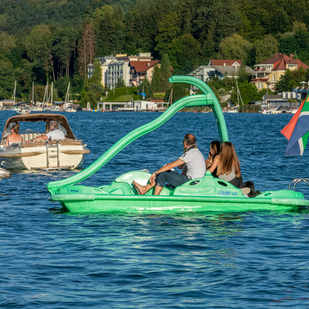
point(206, 194)
point(44, 154)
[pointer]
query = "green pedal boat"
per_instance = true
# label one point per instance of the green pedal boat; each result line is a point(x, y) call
point(207, 194)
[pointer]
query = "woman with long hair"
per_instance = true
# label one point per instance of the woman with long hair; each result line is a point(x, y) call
point(214, 151)
point(14, 138)
point(227, 165)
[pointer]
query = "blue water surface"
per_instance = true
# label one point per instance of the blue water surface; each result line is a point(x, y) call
point(54, 259)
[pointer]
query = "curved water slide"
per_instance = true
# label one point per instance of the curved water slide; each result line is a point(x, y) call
point(206, 99)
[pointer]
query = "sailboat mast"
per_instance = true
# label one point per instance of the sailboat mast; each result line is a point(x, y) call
point(51, 93)
point(14, 93)
point(45, 94)
point(32, 92)
point(237, 93)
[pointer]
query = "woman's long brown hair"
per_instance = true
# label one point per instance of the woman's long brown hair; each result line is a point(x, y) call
point(227, 158)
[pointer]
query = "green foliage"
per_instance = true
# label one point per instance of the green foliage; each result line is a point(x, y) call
point(40, 39)
point(97, 74)
point(165, 73)
point(97, 89)
point(179, 91)
point(265, 48)
point(145, 87)
point(156, 79)
point(118, 92)
point(235, 47)
point(292, 79)
point(7, 79)
point(248, 92)
point(120, 83)
point(185, 49)
point(62, 85)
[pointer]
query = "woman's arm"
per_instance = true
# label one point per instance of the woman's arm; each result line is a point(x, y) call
point(215, 163)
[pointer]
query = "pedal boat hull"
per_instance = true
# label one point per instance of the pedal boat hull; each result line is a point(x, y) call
point(202, 195)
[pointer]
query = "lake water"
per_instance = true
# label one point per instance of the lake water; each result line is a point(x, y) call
point(52, 259)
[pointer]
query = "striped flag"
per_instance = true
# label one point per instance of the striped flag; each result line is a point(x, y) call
point(297, 130)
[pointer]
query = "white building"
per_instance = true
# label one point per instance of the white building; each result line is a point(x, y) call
point(132, 69)
point(145, 106)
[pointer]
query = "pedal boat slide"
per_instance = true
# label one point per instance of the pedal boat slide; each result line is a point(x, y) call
point(207, 194)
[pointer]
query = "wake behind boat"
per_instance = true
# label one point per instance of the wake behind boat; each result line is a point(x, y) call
point(44, 154)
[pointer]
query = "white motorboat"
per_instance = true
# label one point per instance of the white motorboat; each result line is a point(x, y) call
point(23, 111)
point(36, 109)
point(70, 110)
point(46, 154)
point(265, 112)
point(233, 110)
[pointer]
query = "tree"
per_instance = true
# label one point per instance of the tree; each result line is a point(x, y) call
point(97, 89)
point(6, 78)
point(7, 43)
point(248, 93)
point(165, 73)
point(86, 49)
point(120, 83)
point(156, 79)
point(63, 47)
point(97, 74)
point(145, 87)
point(169, 28)
point(24, 76)
point(235, 47)
point(38, 47)
point(265, 48)
point(185, 49)
point(299, 26)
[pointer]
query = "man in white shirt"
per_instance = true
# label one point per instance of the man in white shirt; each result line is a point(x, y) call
point(54, 133)
point(194, 161)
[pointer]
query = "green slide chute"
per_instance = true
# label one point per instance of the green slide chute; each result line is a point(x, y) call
point(206, 99)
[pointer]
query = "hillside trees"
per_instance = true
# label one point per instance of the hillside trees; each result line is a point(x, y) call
point(235, 47)
point(38, 46)
point(265, 48)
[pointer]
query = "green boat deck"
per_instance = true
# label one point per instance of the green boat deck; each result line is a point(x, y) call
point(207, 194)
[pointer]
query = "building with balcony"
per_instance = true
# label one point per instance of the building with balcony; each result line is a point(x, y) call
point(220, 69)
point(267, 73)
point(132, 69)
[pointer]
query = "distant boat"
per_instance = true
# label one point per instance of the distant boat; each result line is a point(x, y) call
point(68, 107)
point(234, 109)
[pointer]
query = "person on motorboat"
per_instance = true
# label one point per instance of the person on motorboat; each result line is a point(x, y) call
point(227, 165)
point(214, 151)
point(14, 139)
point(54, 133)
point(195, 168)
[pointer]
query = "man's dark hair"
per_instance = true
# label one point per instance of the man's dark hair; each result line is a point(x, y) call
point(189, 139)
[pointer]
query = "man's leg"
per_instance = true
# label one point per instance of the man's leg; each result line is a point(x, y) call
point(143, 189)
point(170, 177)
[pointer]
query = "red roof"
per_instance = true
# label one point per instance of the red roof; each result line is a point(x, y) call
point(142, 66)
point(226, 62)
point(280, 62)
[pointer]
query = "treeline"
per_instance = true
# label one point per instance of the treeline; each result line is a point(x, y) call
point(55, 40)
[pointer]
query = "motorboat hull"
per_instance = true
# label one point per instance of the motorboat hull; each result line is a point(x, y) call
point(35, 157)
point(201, 195)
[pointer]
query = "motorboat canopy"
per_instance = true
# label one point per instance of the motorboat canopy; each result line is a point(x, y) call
point(47, 118)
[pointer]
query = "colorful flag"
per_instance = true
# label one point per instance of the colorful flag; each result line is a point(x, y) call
point(297, 130)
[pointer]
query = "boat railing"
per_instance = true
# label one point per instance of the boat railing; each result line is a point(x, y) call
point(295, 182)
